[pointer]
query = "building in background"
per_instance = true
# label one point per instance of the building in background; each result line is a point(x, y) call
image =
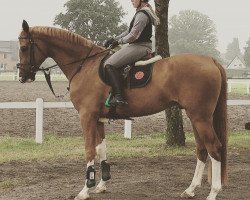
point(236, 63)
point(8, 55)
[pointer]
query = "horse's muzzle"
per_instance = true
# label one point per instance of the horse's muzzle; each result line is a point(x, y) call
point(25, 80)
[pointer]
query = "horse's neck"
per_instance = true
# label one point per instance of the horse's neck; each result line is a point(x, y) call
point(64, 54)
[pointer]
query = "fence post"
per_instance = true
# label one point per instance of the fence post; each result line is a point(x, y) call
point(127, 130)
point(15, 75)
point(229, 87)
point(39, 120)
point(248, 88)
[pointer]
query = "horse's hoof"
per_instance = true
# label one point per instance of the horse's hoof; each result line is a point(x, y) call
point(101, 189)
point(82, 197)
point(188, 195)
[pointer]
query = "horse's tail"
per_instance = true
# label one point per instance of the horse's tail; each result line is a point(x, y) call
point(220, 122)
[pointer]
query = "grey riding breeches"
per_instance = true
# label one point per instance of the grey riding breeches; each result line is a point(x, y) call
point(129, 54)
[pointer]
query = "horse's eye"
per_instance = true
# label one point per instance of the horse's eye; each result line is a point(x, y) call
point(24, 48)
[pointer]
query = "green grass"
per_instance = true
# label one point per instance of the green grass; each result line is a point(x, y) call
point(54, 147)
point(240, 141)
point(239, 88)
point(148, 146)
point(8, 183)
point(26, 149)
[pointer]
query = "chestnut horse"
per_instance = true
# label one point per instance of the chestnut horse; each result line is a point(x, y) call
point(196, 83)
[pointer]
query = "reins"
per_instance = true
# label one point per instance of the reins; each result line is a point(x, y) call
point(48, 78)
point(46, 70)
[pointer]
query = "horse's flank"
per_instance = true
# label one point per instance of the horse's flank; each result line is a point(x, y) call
point(177, 79)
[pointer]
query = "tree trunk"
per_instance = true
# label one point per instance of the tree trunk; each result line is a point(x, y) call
point(174, 132)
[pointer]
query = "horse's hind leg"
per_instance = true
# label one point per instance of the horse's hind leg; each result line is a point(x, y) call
point(209, 138)
point(201, 160)
point(101, 153)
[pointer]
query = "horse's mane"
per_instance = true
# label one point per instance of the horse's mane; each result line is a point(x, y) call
point(61, 35)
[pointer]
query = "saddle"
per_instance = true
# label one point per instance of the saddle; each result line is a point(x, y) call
point(134, 75)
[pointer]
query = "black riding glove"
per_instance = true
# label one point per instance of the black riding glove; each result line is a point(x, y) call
point(114, 44)
point(108, 42)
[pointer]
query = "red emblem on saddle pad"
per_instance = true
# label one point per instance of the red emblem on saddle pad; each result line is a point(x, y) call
point(139, 75)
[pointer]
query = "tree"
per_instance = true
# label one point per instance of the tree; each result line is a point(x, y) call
point(192, 32)
point(174, 132)
point(233, 49)
point(94, 19)
point(247, 54)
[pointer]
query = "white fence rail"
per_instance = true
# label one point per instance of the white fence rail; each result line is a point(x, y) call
point(39, 105)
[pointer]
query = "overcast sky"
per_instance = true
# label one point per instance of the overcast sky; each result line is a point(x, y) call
point(232, 19)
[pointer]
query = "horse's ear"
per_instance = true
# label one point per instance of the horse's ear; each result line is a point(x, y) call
point(25, 26)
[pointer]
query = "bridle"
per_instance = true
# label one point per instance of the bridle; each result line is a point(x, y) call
point(34, 69)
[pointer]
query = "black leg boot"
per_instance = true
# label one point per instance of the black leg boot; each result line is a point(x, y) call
point(115, 81)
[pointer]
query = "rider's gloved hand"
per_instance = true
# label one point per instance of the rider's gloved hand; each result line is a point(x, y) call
point(108, 42)
point(114, 44)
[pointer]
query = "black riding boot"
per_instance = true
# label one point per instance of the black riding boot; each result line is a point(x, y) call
point(114, 78)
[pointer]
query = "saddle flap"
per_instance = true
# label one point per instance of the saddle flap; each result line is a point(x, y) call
point(135, 75)
point(140, 76)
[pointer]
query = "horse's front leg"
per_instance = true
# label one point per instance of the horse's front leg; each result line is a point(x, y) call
point(89, 126)
point(101, 151)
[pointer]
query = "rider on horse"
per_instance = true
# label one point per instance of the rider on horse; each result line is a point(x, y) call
point(138, 36)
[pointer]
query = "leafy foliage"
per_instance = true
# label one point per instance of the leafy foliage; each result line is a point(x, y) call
point(93, 19)
point(247, 54)
point(233, 49)
point(192, 32)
